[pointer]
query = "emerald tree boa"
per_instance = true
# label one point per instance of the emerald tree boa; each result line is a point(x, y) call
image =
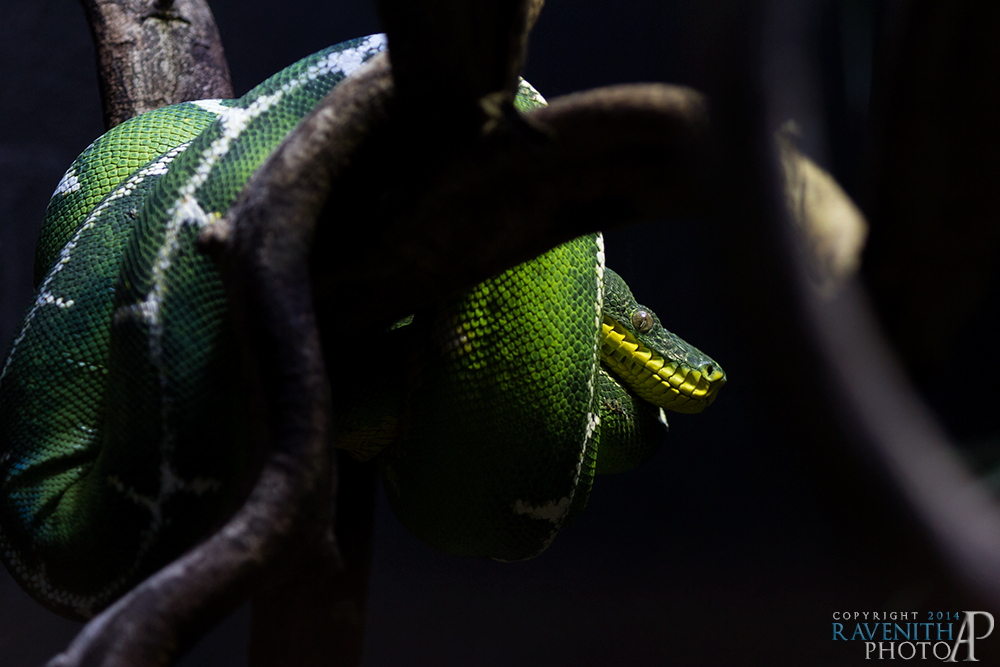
point(122, 418)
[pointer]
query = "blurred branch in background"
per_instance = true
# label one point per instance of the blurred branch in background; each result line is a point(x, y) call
point(922, 507)
point(932, 263)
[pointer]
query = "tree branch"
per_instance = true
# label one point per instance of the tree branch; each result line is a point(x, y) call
point(450, 219)
point(490, 35)
point(315, 614)
point(152, 53)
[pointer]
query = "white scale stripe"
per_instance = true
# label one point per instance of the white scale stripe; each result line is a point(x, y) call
point(530, 92)
point(233, 121)
point(68, 183)
point(84, 605)
point(593, 416)
point(186, 211)
point(211, 106)
point(44, 297)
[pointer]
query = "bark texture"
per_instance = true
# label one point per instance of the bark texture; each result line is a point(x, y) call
point(153, 53)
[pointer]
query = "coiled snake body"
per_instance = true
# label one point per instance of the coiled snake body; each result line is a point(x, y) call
point(122, 426)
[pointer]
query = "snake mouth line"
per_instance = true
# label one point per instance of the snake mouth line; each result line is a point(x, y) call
point(666, 384)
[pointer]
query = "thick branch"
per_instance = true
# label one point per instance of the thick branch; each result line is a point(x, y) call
point(152, 53)
point(490, 35)
point(314, 615)
point(587, 162)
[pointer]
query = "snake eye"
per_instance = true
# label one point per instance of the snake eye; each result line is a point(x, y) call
point(642, 321)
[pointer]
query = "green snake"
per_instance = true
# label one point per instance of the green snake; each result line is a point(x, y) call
point(122, 423)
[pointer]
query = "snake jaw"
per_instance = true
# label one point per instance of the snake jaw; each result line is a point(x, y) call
point(672, 384)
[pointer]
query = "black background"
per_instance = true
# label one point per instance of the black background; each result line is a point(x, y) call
point(719, 551)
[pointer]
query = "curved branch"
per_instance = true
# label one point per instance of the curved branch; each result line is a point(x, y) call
point(589, 161)
point(864, 403)
point(152, 53)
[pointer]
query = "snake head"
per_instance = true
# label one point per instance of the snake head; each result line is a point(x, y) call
point(657, 365)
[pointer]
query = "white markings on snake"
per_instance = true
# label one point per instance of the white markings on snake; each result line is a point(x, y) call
point(211, 106)
point(68, 183)
point(553, 511)
point(82, 604)
point(186, 211)
point(156, 168)
point(233, 121)
point(531, 92)
point(593, 418)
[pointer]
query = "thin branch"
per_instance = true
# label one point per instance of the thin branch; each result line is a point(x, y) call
point(152, 53)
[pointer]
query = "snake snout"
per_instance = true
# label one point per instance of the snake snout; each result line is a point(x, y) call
point(683, 379)
point(711, 371)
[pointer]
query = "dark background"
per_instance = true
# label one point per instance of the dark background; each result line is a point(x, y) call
point(719, 551)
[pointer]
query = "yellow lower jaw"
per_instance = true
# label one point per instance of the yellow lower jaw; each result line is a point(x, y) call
point(651, 377)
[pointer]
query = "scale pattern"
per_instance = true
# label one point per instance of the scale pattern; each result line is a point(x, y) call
point(504, 444)
point(105, 163)
point(122, 437)
point(631, 429)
